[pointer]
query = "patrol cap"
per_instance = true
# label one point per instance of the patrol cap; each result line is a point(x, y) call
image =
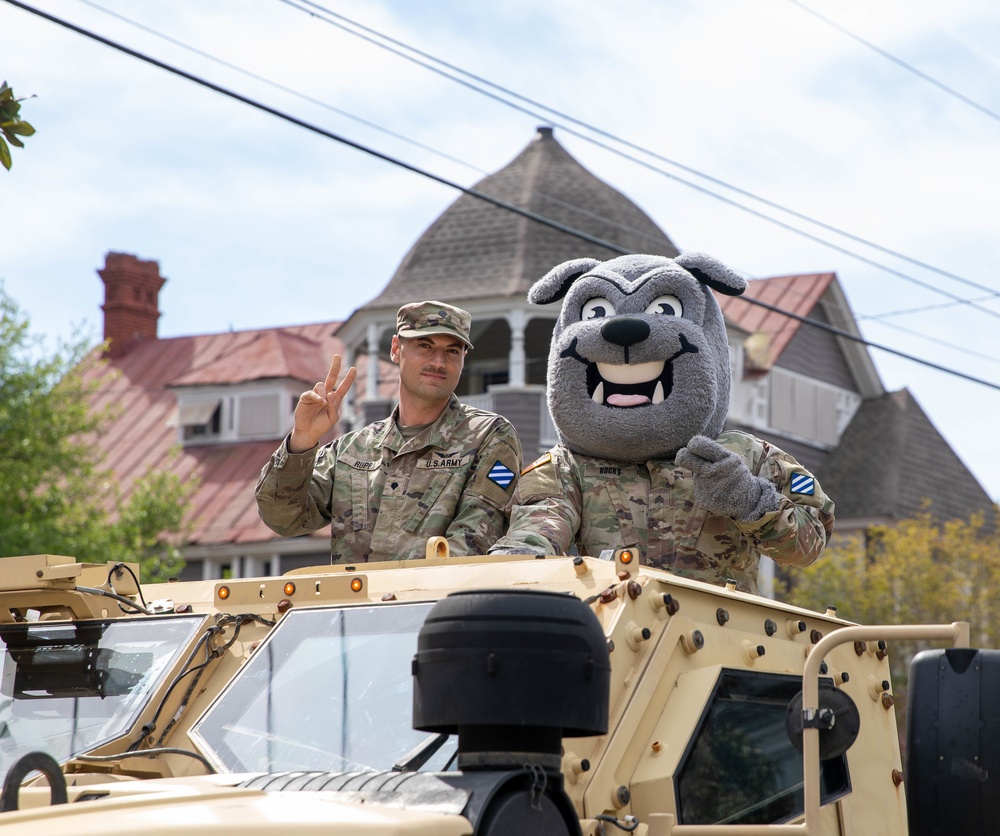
point(422, 318)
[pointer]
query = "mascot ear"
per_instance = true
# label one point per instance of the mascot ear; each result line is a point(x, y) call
point(556, 283)
point(712, 272)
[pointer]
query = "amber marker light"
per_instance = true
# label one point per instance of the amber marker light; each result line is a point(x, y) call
point(356, 584)
point(626, 557)
point(289, 588)
point(223, 592)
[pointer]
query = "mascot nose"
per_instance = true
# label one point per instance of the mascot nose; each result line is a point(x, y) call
point(625, 331)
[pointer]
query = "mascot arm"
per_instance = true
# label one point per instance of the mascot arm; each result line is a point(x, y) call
point(479, 517)
point(545, 513)
point(794, 535)
point(778, 504)
point(798, 532)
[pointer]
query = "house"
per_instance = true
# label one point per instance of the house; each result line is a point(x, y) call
point(803, 381)
point(224, 400)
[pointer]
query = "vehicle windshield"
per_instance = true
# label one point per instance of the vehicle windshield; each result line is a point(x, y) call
point(329, 690)
point(67, 687)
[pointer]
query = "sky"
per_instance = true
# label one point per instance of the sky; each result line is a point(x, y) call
point(781, 136)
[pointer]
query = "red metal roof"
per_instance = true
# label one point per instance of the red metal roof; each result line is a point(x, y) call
point(142, 436)
point(259, 355)
point(795, 294)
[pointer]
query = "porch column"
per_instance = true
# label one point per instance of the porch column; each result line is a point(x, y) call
point(517, 321)
point(349, 408)
point(371, 388)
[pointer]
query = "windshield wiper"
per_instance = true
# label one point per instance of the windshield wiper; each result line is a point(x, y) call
point(424, 751)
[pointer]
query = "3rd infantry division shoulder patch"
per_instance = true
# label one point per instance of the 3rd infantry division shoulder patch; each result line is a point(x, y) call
point(501, 475)
point(803, 483)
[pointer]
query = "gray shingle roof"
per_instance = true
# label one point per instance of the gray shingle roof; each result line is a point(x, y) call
point(477, 250)
point(890, 458)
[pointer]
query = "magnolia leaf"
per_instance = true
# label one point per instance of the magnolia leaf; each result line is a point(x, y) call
point(23, 128)
point(4, 154)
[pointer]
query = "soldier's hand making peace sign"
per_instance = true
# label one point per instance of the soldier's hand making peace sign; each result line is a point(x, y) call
point(318, 409)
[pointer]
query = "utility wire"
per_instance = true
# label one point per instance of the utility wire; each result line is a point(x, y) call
point(933, 288)
point(840, 332)
point(579, 209)
point(346, 114)
point(372, 34)
point(257, 77)
point(472, 192)
point(503, 204)
point(992, 114)
point(924, 336)
point(907, 311)
point(274, 84)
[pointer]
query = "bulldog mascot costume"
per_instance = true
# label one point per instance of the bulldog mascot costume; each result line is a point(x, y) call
point(638, 389)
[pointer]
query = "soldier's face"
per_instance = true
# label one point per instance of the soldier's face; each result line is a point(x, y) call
point(429, 366)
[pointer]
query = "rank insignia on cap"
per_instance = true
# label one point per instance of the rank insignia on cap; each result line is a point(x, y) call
point(501, 475)
point(803, 483)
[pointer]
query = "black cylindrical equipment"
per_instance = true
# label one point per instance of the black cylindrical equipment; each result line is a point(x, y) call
point(512, 672)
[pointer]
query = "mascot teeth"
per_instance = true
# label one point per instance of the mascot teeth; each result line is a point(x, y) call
point(625, 386)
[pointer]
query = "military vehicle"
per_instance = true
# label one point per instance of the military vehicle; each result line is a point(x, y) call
point(474, 695)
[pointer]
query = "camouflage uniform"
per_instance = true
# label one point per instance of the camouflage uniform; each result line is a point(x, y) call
point(599, 504)
point(384, 495)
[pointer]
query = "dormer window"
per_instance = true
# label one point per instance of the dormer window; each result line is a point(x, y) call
point(253, 411)
point(200, 420)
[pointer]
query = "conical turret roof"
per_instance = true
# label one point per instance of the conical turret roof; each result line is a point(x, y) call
point(477, 250)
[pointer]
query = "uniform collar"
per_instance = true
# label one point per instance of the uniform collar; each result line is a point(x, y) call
point(437, 434)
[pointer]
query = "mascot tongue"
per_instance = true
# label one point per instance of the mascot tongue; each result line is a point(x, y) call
point(628, 400)
point(623, 378)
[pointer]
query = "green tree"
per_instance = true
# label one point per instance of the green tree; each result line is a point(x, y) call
point(11, 124)
point(918, 571)
point(57, 496)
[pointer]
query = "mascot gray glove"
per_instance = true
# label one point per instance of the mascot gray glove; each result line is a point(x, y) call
point(724, 484)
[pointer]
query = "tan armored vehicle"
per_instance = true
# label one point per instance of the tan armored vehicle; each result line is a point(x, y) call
point(475, 695)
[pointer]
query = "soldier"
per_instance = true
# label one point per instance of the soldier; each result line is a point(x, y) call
point(435, 466)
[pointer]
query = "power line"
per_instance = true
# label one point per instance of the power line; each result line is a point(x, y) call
point(274, 84)
point(572, 207)
point(346, 114)
point(503, 204)
point(924, 336)
point(840, 332)
point(370, 35)
point(907, 311)
point(445, 181)
point(992, 114)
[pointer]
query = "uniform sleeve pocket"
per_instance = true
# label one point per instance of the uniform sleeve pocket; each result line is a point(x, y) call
point(360, 498)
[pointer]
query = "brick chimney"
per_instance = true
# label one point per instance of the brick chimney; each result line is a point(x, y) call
point(131, 297)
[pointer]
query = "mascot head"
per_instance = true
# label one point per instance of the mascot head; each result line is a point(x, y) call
point(639, 362)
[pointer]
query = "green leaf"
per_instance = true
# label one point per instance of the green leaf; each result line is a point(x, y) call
point(13, 140)
point(23, 128)
point(4, 155)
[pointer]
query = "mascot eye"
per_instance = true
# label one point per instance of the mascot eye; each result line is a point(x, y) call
point(597, 309)
point(666, 305)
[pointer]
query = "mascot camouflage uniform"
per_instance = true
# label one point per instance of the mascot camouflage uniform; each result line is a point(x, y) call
point(638, 388)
